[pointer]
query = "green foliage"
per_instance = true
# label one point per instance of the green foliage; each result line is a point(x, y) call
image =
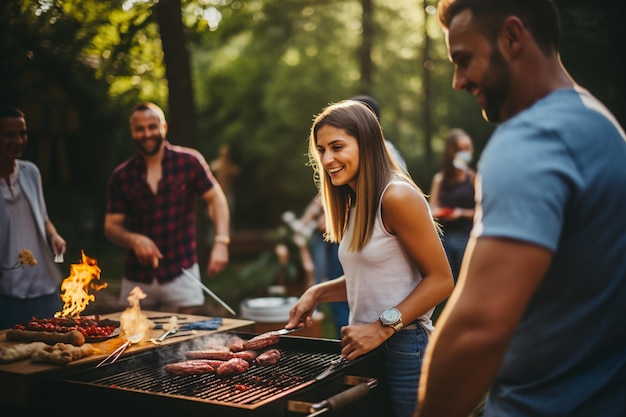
point(270, 268)
point(262, 69)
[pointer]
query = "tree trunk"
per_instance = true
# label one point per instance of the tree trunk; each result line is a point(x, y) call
point(427, 65)
point(365, 51)
point(182, 126)
point(182, 111)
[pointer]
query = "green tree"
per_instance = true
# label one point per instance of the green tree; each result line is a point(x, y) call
point(260, 71)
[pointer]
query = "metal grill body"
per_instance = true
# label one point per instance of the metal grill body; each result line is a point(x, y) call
point(139, 380)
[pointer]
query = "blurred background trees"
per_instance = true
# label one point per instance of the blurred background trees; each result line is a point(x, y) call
point(249, 74)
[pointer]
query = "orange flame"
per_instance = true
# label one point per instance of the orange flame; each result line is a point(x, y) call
point(132, 320)
point(75, 288)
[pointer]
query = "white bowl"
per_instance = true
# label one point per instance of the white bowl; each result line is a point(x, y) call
point(267, 309)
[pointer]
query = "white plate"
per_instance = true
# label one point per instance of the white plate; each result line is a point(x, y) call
point(267, 309)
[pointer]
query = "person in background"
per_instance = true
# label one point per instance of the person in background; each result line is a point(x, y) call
point(325, 256)
point(537, 317)
point(452, 199)
point(452, 196)
point(395, 268)
point(226, 172)
point(150, 211)
point(373, 104)
point(26, 291)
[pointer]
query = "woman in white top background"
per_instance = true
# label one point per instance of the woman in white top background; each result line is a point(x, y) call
point(395, 267)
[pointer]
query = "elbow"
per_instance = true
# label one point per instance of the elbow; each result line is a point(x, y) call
point(447, 287)
point(108, 231)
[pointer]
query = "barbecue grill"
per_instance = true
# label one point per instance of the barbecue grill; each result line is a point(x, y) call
point(290, 388)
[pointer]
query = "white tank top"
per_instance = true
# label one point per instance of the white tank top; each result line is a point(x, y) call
point(380, 275)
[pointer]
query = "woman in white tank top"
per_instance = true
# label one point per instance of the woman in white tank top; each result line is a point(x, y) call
point(395, 267)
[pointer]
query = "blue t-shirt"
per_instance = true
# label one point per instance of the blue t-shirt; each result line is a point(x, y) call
point(555, 176)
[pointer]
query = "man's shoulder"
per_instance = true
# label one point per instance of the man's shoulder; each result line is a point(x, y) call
point(571, 116)
point(27, 165)
point(125, 165)
point(570, 107)
point(28, 168)
point(126, 169)
point(184, 151)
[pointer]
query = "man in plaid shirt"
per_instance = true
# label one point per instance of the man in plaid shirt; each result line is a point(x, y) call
point(150, 211)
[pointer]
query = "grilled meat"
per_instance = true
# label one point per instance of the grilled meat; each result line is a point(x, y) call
point(235, 344)
point(219, 354)
point(232, 367)
point(268, 358)
point(247, 355)
point(191, 367)
point(262, 341)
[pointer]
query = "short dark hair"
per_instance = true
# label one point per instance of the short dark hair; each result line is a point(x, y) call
point(149, 106)
point(541, 17)
point(369, 101)
point(7, 111)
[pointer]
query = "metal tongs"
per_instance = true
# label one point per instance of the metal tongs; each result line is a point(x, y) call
point(334, 365)
point(115, 355)
point(208, 291)
point(170, 328)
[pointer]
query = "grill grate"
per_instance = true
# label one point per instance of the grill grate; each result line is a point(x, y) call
point(254, 387)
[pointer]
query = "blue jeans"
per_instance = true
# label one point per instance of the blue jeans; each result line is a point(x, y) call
point(403, 354)
point(455, 243)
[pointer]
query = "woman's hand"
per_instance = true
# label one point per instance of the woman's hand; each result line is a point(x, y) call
point(302, 312)
point(358, 339)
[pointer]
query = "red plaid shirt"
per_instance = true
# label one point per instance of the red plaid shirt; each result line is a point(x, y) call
point(168, 217)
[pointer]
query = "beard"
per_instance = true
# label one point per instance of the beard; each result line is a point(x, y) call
point(495, 86)
point(158, 141)
point(14, 152)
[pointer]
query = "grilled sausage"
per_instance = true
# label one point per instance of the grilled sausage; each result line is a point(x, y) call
point(235, 344)
point(222, 355)
point(268, 358)
point(262, 341)
point(231, 367)
point(73, 337)
point(246, 355)
point(191, 367)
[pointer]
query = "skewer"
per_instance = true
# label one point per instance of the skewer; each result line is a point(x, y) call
point(208, 291)
point(114, 356)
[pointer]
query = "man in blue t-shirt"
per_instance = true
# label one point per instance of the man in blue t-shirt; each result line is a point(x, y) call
point(537, 319)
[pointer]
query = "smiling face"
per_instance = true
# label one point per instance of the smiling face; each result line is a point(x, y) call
point(479, 67)
point(339, 154)
point(148, 131)
point(13, 137)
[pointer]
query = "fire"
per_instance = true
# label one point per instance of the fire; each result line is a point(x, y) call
point(132, 320)
point(75, 288)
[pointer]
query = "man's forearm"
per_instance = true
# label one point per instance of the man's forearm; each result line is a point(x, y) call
point(121, 236)
point(219, 214)
point(50, 230)
point(473, 365)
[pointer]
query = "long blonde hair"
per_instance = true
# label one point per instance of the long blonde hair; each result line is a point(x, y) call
point(376, 169)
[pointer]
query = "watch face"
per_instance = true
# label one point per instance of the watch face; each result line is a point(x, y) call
point(390, 316)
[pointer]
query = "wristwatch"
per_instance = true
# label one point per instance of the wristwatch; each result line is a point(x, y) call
point(392, 318)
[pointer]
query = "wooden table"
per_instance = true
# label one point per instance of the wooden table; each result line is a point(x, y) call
point(18, 378)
